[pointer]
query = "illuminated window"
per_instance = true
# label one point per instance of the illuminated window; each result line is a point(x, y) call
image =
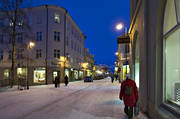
point(39, 75)
point(6, 74)
point(57, 18)
point(171, 54)
point(21, 72)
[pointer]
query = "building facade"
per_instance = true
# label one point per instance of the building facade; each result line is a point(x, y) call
point(122, 58)
point(89, 59)
point(154, 55)
point(59, 48)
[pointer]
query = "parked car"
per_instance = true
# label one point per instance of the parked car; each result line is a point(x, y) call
point(88, 79)
point(99, 77)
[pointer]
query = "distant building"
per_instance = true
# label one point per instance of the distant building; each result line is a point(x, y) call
point(122, 59)
point(155, 56)
point(89, 58)
point(59, 48)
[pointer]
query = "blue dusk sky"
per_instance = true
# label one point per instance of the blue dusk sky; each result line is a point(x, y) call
point(97, 20)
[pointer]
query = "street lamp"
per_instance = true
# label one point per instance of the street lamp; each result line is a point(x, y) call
point(30, 45)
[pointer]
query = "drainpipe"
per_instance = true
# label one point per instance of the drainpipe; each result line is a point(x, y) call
point(46, 59)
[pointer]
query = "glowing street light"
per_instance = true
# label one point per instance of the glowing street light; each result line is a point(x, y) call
point(119, 26)
point(31, 44)
point(116, 53)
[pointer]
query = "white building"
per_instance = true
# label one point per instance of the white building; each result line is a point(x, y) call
point(59, 47)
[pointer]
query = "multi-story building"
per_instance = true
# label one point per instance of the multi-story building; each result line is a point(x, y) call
point(59, 48)
point(122, 58)
point(155, 65)
point(89, 59)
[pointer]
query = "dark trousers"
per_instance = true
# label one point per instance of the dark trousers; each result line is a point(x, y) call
point(129, 111)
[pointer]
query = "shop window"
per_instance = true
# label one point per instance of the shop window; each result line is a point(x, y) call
point(39, 75)
point(171, 58)
point(6, 74)
point(22, 73)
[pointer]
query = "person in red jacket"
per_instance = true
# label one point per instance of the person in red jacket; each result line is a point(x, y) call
point(129, 94)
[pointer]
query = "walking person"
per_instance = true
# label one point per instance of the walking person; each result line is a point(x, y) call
point(57, 81)
point(129, 94)
point(112, 78)
point(66, 80)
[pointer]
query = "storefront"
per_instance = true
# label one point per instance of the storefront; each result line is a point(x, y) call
point(40, 75)
point(155, 49)
point(22, 73)
point(75, 74)
point(81, 75)
point(67, 72)
point(171, 57)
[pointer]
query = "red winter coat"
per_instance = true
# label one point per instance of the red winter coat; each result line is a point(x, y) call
point(129, 100)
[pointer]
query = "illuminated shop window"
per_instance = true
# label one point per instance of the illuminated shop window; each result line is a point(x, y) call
point(171, 54)
point(6, 74)
point(39, 75)
point(21, 72)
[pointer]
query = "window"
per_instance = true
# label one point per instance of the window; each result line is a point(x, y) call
point(171, 54)
point(6, 74)
point(56, 53)
point(39, 75)
point(1, 39)
point(20, 53)
point(21, 72)
point(39, 19)
point(56, 36)
point(20, 38)
point(38, 53)
point(57, 18)
point(10, 54)
point(39, 36)
point(11, 23)
point(1, 54)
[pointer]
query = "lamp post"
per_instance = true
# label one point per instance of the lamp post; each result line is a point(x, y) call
point(120, 27)
point(29, 46)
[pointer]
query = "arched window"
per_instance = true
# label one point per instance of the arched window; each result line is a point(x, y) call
point(171, 50)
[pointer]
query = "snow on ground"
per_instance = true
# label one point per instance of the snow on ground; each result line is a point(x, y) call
point(79, 100)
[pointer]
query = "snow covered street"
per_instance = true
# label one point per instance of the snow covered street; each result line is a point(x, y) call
point(97, 100)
